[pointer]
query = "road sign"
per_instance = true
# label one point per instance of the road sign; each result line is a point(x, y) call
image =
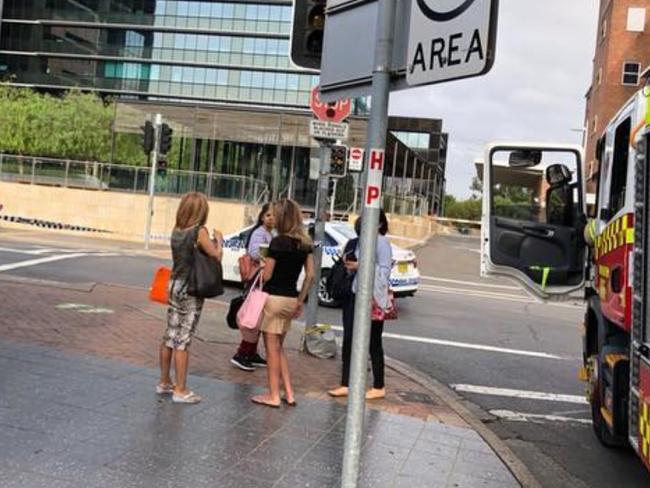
point(450, 40)
point(350, 35)
point(375, 174)
point(335, 111)
point(334, 131)
point(355, 161)
point(349, 46)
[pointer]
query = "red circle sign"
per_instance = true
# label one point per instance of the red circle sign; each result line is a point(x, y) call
point(329, 111)
point(356, 153)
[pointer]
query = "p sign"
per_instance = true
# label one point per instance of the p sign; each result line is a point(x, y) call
point(375, 176)
point(450, 39)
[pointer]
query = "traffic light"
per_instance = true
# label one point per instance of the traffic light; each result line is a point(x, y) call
point(148, 137)
point(307, 33)
point(338, 161)
point(165, 138)
point(161, 168)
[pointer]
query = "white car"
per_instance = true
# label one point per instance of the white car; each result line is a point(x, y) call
point(404, 278)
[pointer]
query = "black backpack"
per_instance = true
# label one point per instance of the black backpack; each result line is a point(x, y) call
point(339, 281)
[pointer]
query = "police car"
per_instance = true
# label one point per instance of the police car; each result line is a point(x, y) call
point(404, 278)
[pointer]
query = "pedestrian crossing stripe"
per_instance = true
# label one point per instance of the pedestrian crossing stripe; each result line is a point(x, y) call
point(618, 233)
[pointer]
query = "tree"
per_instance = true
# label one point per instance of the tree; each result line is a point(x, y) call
point(75, 126)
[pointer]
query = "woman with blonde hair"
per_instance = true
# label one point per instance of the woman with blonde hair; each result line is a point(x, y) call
point(289, 253)
point(184, 310)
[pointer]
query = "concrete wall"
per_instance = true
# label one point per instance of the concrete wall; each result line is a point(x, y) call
point(123, 214)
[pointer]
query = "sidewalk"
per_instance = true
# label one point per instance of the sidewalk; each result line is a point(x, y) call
point(77, 371)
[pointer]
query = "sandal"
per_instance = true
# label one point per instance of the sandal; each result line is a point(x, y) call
point(260, 401)
point(341, 391)
point(189, 397)
point(292, 403)
point(164, 389)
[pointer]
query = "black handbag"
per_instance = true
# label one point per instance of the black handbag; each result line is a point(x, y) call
point(235, 304)
point(205, 279)
point(339, 281)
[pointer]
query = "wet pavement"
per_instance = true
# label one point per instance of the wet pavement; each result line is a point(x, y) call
point(76, 420)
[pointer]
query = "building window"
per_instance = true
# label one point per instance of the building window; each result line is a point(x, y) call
point(603, 29)
point(619, 166)
point(635, 19)
point(594, 124)
point(599, 76)
point(631, 73)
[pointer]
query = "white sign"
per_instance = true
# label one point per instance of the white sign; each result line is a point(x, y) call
point(372, 197)
point(450, 39)
point(355, 162)
point(336, 131)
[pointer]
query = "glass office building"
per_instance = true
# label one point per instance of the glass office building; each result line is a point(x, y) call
point(218, 72)
point(189, 50)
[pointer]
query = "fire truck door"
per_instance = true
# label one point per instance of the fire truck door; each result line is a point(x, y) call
point(533, 217)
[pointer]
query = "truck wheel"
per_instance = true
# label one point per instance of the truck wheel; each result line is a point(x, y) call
point(600, 426)
point(324, 298)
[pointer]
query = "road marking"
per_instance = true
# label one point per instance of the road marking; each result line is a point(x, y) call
point(35, 262)
point(536, 417)
point(33, 252)
point(466, 345)
point(470, 283)
point(84, 308)
point(476, 293)
point(528, 299)
point(525, 394)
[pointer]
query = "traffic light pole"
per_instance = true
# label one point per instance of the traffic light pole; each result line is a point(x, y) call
point(152, 178)
point(377, 126)
point(319, 232)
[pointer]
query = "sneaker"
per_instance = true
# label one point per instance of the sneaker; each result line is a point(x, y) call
point(257, 361)
point(242, 363)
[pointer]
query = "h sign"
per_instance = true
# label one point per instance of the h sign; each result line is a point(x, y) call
point(450, 39)
point(375, 176)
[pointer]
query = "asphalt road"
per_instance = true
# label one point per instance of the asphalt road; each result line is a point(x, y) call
point(514, 360)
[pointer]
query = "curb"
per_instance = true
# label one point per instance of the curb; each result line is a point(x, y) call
point(518, 469)
point(83, 287)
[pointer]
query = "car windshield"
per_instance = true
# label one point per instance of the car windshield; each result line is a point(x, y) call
point(345, 230)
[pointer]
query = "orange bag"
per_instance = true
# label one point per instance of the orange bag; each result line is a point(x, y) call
point(159, 286)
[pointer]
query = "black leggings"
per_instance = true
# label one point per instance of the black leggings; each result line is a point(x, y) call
point(376, 346)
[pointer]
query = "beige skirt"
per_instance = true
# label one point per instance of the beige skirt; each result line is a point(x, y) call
point(277, 315)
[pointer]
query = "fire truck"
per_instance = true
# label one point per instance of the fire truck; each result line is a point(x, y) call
point(535, 230)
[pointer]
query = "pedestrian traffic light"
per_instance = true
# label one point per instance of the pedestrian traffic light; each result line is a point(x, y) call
point(307, 33)
point(148, 137)
point(338, 161)
point(165, 138)
point(161, 168)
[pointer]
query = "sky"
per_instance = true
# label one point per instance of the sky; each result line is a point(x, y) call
point(534, 92)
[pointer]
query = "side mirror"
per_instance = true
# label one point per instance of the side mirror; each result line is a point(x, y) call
point(525, 158)
point(558, 174)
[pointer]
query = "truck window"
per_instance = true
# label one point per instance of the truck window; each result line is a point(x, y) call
point(619, 166)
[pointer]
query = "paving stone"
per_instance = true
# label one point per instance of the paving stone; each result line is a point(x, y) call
point(101, 425)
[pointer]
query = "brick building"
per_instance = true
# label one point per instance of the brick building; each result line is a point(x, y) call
point(622, 54)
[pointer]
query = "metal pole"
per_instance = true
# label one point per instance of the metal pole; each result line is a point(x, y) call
point(1, 11)
point(355, 179)
point(152, 179)
point(377, 127)
point(319, 233)
point(333, 199)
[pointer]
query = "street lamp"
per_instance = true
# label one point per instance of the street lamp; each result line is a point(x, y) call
point(583, 132)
